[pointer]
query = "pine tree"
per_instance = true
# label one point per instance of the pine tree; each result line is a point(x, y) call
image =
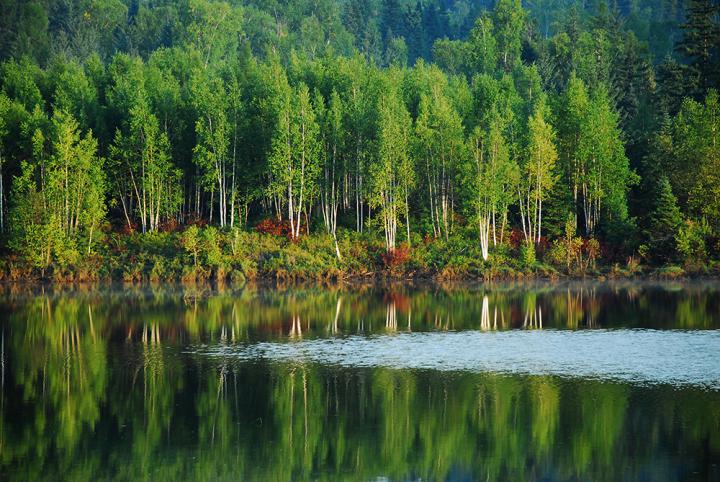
point(671, 85)
point(665, 220)
point(701, 41)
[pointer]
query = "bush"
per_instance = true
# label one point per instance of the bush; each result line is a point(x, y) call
point(210, 245)
point(691, 242)
point(132, 271)
point(311, 258)
point(190, 241)
point(527, 255)
point(274, 227)
point(360, 252)
point(397, 257)
point(670, 271)
point(573, 252)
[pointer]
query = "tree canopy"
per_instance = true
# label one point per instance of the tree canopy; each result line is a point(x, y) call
point(439, 119)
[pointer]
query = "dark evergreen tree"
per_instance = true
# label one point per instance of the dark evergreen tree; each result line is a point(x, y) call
point(665, 220)
point(700, 42)
point(414, 36)
point(393, 20)
point(672, 85)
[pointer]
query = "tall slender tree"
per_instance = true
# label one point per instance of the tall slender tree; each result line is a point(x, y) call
point(539, 173)
point(333, 165)
point(142, 156)
point(214, 133)
point(295, 157)
point(700, 43)
point(493, 182)
point(392, 172)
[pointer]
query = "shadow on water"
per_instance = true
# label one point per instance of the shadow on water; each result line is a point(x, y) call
point(584, 381)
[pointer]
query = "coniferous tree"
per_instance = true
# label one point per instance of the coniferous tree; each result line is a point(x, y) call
point(700, 43)
point(664, 223)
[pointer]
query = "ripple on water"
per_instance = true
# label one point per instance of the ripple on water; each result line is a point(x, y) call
point(671, 357)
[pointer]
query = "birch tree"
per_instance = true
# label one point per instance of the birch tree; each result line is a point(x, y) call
point(392, 172)
point(494, 179)
point(333, 162)
point(440, 142)
point(142, 156)
point(360, 103)
point(606, 174)
point(213, 131)
point(573, 129)
point(294, 160)
point(539, 175)
point(593, 154)
point(59, 195)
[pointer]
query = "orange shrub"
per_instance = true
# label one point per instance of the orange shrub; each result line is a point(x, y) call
point(397, 257)
point(273, 226)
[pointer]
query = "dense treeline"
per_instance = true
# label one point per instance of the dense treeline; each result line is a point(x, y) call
point(573, 140)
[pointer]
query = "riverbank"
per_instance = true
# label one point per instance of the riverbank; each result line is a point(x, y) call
point(208, 254)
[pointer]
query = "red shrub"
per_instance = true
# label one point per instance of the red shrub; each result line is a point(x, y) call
point(591, 247)
point(125, 229)
point(516, 238)
point(543, 245)
point(169, 226)
point(397, 257)
point(197, 221)
point(273, 226)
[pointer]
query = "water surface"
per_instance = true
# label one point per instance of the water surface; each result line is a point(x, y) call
point(579, 381)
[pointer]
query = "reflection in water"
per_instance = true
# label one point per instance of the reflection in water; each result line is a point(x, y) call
point(119, 384)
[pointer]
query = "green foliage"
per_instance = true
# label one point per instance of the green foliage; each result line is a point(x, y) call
point(217, 113)
point(34, 236)
point(704, 146)
point(191, 242)
point(567, 251)
point(691, 240)
point(527, 255)
point(665, 221)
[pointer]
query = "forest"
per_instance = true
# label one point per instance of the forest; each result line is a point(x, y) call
point(193, 139)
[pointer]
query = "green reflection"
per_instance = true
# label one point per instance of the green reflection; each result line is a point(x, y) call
point(107, 385)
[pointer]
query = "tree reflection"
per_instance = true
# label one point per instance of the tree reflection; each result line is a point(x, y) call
point(109, 386)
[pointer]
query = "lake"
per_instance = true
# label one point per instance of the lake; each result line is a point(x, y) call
point(576, 381)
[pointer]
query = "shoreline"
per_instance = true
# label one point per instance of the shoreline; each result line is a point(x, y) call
point(374, 279)
point(243, 256)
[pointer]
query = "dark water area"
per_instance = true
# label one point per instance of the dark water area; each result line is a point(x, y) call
point(553, 382)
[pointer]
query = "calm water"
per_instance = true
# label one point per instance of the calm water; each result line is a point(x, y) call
point(505, 382)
